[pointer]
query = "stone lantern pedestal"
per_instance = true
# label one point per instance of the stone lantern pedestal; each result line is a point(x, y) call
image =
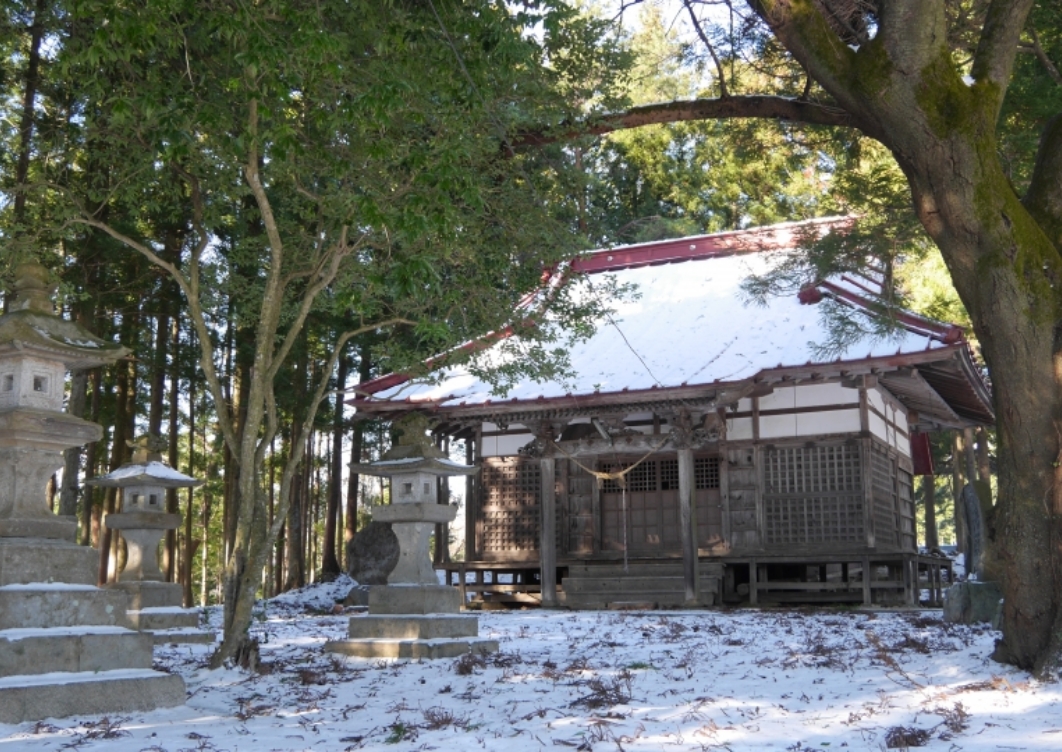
point(155, 606)
point(65, 648)
point(413, 616)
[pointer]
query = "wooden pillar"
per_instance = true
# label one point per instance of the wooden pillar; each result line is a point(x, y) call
point(867, 596)
point(688, 525)
point(754, 594)
point(547, 543)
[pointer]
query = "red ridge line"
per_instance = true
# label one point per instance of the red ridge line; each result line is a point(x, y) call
point(700, 246)
point(949, 334)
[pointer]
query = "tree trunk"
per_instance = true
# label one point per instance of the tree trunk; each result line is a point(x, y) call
point(72, 457)
point(364, 374)
point(330, 568)
point(124, 415)
point(172, 502)
point(930, 504)
point(90, 503)
point(31, 81)
point(984, 464)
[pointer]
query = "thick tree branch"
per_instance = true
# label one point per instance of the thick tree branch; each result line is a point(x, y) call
point(190, 288)
point(913, 32)
point(801, 27)
point(994, 57)
point(1044, 197)
point(772, 107)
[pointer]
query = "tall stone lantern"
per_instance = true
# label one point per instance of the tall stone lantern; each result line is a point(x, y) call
point(413, 616)
point(65, 648)
point(36, 349)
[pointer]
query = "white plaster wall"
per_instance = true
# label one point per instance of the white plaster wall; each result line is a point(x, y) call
point(504, 446)
point(782, 398)
point(874, 398)
point(827, 422)
point(877, 427)
point(813, 395)
point(777, 426)
point(738, 429)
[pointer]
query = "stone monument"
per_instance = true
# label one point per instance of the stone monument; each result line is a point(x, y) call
point(155, 606)
point(65, 647)
point(413, 616)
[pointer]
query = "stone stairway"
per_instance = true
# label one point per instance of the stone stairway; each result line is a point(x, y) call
point(644, 584)
point(66, 649)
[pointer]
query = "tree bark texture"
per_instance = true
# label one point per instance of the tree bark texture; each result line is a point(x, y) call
point(1002, 250)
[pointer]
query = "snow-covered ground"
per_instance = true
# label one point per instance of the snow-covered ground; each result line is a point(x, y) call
point(709, 680)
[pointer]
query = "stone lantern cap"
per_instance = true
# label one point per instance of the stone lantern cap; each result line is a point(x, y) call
point(414, 453)
point(146, 469)
point(31, 327)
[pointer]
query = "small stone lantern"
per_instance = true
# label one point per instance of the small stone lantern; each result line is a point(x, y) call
point(143, 521)
point(413, 616)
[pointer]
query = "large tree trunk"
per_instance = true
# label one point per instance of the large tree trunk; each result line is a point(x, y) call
point(902, 88)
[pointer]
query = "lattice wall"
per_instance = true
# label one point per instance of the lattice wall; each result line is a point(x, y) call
point(813, 496)
point(705, 473)
point(884, 506)
point(509, 507)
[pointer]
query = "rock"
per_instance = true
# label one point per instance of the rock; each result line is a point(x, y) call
point(373, 554)
point(973, 602)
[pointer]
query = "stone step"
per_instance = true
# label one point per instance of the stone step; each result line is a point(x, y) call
point(60, 605)
point(71, 649)
point(412, 649)
point(56, 695)
point(432, 627)
point(164, 617)
point(181, 635)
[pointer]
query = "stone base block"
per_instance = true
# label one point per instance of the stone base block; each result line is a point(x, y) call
point(424, 649)
point(435, 626)
point(43, 651)
point(56, 528)
point(414, 599)
point(24, 560)
point(151, 594)
point(181, 636)
point(152, 619)
point(56, 695)
point(31, 607)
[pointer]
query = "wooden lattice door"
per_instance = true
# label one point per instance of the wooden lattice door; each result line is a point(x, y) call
point(645, 520)
point(579, 489)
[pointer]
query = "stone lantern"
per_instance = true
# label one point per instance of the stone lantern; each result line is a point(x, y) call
point(36, 349)
point(155, 605)
point(413, 616)
point(64, 646)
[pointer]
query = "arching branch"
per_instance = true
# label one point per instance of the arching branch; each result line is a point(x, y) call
point(771, 107)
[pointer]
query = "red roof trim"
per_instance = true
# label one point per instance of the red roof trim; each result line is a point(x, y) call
point(703, 246)
point(949, 334)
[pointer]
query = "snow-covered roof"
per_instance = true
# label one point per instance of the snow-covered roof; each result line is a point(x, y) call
point(691, 324)
point(145, 473)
